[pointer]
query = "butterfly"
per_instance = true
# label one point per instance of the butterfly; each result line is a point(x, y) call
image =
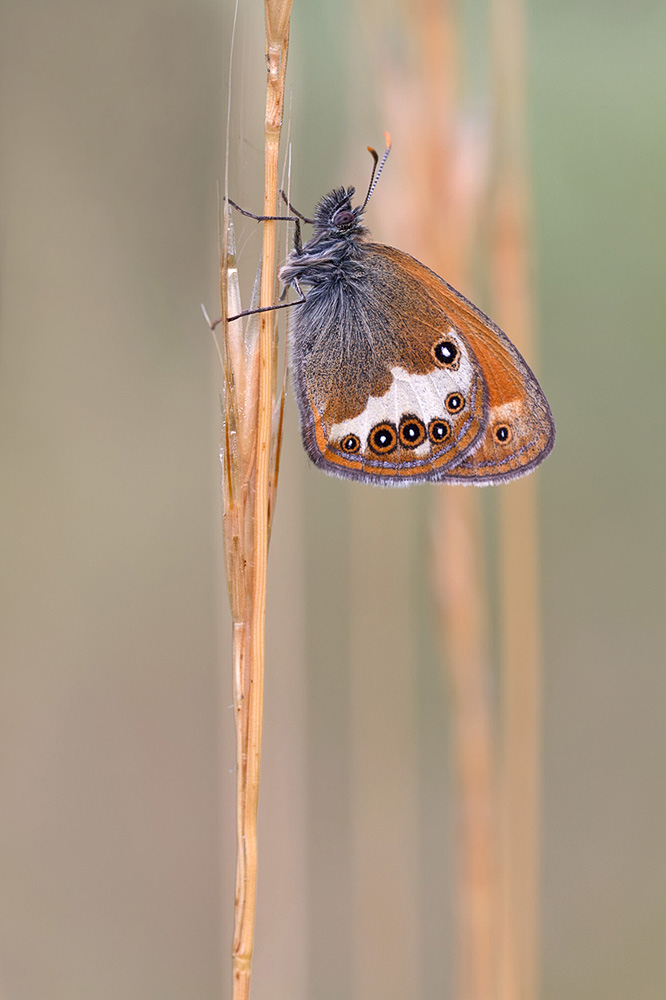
point(399, 378)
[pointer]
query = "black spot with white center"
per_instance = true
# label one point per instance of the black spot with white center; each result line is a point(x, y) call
point(438, 431)
point(503, 433)
point(351, 444)
point(383, 438)
point(455, 402)
point(446, 354)
point(412, 431)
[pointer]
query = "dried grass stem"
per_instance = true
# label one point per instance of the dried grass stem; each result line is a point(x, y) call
point(250, 459)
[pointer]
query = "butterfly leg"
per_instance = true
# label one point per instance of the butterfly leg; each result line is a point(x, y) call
point(262, 218)
point(263, 309)
point(276, 218)
point(291, 208)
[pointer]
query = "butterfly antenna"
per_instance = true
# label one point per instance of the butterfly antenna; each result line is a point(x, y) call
point(376, 170)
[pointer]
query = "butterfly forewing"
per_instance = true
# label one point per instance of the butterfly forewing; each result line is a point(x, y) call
point(519, 431)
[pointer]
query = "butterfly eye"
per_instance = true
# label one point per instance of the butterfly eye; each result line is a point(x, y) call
point(438, 430)
point(351, 444)
point(503, 433)
point(383, 438)
point(454, 402)
point(446, 354)
point(412, 431)
point(343, 218)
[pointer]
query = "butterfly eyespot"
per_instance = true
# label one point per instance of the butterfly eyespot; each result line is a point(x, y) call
point(343, 217)
point(446, 354)
point(350, 444)
point(503, 433)
point(438, 430)
point(383, 439)
point(412, 431)
point(454, 402)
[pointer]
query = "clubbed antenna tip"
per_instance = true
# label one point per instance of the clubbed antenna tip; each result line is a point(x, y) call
point(376, 170)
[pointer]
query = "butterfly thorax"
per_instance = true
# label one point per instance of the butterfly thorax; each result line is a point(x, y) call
point(335, 252)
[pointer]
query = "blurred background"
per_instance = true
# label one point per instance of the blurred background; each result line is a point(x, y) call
point(116, 732)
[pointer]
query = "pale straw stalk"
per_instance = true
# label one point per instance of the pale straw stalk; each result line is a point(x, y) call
point(252, 410)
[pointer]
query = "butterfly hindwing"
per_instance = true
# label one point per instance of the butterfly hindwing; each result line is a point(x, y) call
point(387, 394)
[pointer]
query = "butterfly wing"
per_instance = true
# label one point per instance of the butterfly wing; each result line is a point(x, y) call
point(400, 379)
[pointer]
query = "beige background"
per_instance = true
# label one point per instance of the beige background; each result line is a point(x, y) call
point(116, 743)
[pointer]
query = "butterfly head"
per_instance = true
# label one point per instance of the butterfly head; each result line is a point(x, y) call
point(336, 217)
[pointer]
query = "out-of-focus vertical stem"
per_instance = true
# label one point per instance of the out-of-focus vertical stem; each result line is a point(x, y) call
point(382, 724)
point(444, 180)
point(453, 186)
point(518, 551)
point(460, 591)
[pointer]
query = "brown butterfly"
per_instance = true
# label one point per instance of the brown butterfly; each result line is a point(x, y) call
point(399, 378)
